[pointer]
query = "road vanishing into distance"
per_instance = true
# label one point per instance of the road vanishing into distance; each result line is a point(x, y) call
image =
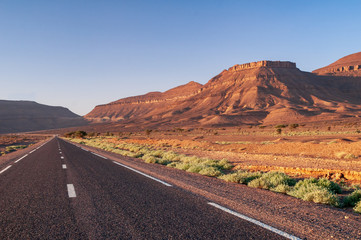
point(61, 191)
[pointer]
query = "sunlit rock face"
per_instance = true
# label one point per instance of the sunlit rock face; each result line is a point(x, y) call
point(262, 92)
point(346, 66)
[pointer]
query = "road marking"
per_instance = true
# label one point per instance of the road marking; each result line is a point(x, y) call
point(146, 175)
point(64, 166)
point(99, 155)
point(272, 229)
point(21, 158)
point(5, 169)
point(32, 151)
point(71, 190)
point(60, 152)
point(85, 149)
point(62, 157)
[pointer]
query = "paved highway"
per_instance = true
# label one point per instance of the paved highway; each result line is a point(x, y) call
point(60, 191)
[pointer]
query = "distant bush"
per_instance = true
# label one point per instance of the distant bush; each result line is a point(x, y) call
point(243, 177)
point(77, 134)
point(14, 148)
point(282, 188)
point(294, 125)
point(317, 190)
point(272, 181)
point(281, 126)
point(357, 208)
point(352, 199)
point(210, 172)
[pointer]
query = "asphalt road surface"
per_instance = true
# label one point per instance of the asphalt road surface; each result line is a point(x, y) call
point(60, 191)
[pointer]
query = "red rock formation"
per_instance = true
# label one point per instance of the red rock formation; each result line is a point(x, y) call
point(346, 66)
point(260, 92)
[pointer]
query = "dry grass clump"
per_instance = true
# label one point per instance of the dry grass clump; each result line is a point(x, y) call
point(317, 190)
point(357, 208)
point(241, 176)
point(274, 181)
point(345, 155)
point(352, 199)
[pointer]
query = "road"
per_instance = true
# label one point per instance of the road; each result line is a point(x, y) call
point(60, 191)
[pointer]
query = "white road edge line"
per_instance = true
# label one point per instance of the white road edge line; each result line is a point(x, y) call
point(146, 175)
point(5, 169)
point(32, 151)
point(272, 229)
point(71, 190)
point(99, 155)
point(64, 166)
point(21, 158)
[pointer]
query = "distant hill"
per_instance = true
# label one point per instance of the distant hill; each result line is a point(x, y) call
point(24, 116)
point(263, 92)
point(346, 66)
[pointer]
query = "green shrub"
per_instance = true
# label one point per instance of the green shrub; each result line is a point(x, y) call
point(357, 208)
point(330, 185)
point(319, 191)
point(272, 180)
point(294, 125)
point(195, 169)
point(181, 166)
point(321, 195)
point(282, 188)
point(352, 199)
point(241, 176)
point(210, 172)
point(14, 148)
point(257, 183)
point(281, 126)
point(149, 159)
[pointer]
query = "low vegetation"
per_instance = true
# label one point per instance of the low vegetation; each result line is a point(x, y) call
point(311, 189)
point(204, 166)
point(13, 148)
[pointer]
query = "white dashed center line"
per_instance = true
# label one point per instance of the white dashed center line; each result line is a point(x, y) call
point(64, 166)
point(71, 190)
point(62, 157)
point(5, 169)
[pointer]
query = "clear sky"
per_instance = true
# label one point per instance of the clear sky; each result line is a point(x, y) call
point(81, 53)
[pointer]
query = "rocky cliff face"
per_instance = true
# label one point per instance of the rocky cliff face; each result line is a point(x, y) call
point(260, 92)
point(346, 66)
point(25, 116)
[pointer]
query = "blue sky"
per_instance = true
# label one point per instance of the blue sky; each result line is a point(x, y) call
point(81, 53)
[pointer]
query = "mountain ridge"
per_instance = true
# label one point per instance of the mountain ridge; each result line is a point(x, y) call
point(25, 116)
point(262, 92)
